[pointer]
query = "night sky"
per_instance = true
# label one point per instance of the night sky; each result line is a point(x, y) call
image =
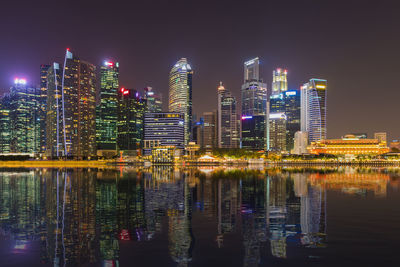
point(355, 45)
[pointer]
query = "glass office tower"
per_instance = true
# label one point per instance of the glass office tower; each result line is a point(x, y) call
point(180, 93)
point(106, 111)
point(71, 109)
point(313, 109)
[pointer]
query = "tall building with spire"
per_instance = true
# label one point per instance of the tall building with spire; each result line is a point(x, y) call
point(71, 109)
point(228, 128)
point(313, 109)
point(180, 93)
point(106, 111)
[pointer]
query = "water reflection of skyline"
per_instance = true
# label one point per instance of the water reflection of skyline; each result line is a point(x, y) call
point(81, 215)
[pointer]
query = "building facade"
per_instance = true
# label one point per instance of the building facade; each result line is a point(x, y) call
point(71, 109)
point(24, 111)
point(253, 132)
point(5, 131)
point(106, 111)
point(227, 129)
point(254, 107)
point(153, 100)
point(42, 105)
point(130, 125)
point(277, 132)
point(164, 130)
point(210, 130)
point(254, 91)
point(288, 103)
point(300, 143)
point(279, 81)
point(314, 109)
point(180, 93)
point(349, 145)
point(381, 137)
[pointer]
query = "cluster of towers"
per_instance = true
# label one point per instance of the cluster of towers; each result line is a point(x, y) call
point(275, 120)
point(67, 117)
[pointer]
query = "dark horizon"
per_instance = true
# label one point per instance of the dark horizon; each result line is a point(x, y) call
point(352, 44)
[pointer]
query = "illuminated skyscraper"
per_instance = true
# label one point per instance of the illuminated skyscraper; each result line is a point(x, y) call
point(253, 132)
point(71, 125)
point(313, 109)
point(42, 105)
point(277, 132)
point(24, 118)
point(5, 131)
point(254, 91)
point(288, 102)
point(210, 129)
point(228, 128)
point(254, 107)
point(279, 81)
point(106, 111)
point(153, 100)
point(180, 93)
point(131, 109)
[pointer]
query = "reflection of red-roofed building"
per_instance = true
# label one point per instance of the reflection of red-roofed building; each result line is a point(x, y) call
point(349, 182)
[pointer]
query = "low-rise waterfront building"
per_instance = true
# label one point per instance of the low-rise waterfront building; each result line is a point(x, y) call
point(349, 145)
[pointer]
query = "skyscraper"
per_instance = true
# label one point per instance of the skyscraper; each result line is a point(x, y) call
point(277, 132)
point(5, 131)
point(153, 100)
point(180, 93)
point(253, 132)
point(313, 109)
point(131, 110)
point(71, 108)
point(254, 91)
point(164, 129)
point(279, 81)
point(288, 102)
point(209, 129)
point(228, 128)
point(42, 105)
point(24, 117)
point(254, 107)
point(106, 111)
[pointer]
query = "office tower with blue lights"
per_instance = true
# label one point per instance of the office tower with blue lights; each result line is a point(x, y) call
point(228, 128)
point(42, 105)
point(164, 129)
point(254, 107)
point(313, 109)
point(71, 109)
point(288, 102)
point(106, 111)
point(180, 93)
point(153, 100)
point(131, 110)
point(24, 117)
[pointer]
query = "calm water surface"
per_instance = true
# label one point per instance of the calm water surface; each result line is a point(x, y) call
point(199, 217)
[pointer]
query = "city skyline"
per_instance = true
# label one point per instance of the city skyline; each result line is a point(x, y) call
point(352, 66)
